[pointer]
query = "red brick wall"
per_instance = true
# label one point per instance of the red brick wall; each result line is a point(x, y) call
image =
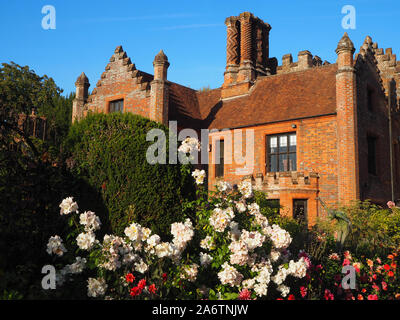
point(316, 153)
point(121, 80)
point(373, 123)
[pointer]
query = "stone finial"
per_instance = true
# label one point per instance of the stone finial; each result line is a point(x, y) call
point(345, 44)
point(368, 40)
point(161, 58)
point(367, 43)
point(118, 49)
point(82, 80)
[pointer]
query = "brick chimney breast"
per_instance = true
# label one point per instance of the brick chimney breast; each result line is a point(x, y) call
point(247, 53)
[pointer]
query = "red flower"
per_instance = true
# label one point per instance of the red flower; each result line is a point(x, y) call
point(291, 297)
point(346, 262)
point(142, 284)
point(164, 276)
point(135, 291)
point(390, 274)
point(152, 288)
point(245, 294)
point(386, 267)
point(374, 286)
point(303, 291)
point(360, 297)
point(130, 278)
point(372, 297)
point(384, 285)
point(279, 299)
point(328, 295)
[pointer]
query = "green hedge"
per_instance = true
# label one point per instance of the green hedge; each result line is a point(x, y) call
point(109, 152)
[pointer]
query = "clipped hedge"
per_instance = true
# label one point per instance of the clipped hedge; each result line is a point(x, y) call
point(109, 152)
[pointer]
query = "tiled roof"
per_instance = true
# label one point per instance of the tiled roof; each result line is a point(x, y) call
point(302, 94)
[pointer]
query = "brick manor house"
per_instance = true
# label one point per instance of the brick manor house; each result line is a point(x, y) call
point(328, 131)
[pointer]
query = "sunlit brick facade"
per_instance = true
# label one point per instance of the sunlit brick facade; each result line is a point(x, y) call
point(321, 130)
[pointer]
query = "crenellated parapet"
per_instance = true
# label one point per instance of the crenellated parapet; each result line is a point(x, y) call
point(284, 181)
point(305, 60)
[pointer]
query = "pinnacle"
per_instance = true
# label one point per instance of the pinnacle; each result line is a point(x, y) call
point(345, 44)
point(161, 57)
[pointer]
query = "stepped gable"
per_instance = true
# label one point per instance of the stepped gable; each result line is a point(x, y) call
point(387, 63)
point(120, 69)
point(367, 55)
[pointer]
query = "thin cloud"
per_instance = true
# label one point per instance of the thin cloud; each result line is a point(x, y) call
point(151, 17)
point(191, 26)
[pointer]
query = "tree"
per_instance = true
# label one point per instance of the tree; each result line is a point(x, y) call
point(22, 90)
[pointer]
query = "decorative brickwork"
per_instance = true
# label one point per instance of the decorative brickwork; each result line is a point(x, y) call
point(251, 36)
point(333, 110)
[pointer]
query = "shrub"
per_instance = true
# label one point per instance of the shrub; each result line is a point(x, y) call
point(228, 251)
point(30, 191)
point(373, 230)
point(108, 151)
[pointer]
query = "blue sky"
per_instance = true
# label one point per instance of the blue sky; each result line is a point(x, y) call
point(191, 33)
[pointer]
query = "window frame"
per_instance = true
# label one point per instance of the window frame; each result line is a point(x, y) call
point(269, 154)
point(219, 167)
point(305, 209)
point(113, 102)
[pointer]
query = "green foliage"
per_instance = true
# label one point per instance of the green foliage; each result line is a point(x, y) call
point(31, 190)
point(109, 152)
point(22, 90)
point(374, 230)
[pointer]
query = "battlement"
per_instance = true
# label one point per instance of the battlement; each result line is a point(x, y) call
point(305, 61)
point(284, 181)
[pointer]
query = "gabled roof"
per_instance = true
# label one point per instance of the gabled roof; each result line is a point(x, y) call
point(295, 95)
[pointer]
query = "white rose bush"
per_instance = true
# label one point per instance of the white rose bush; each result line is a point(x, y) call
point(223, 247)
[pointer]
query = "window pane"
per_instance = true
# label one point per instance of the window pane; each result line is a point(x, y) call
point(117, 106)
point(273, 163)
point(292, 139)
point(292, 162)
point(281, 153)
point(283, 162)
point(273, 144)
point(283, 144)
point(292, 143)
point(219, 167)
point(300, 210)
